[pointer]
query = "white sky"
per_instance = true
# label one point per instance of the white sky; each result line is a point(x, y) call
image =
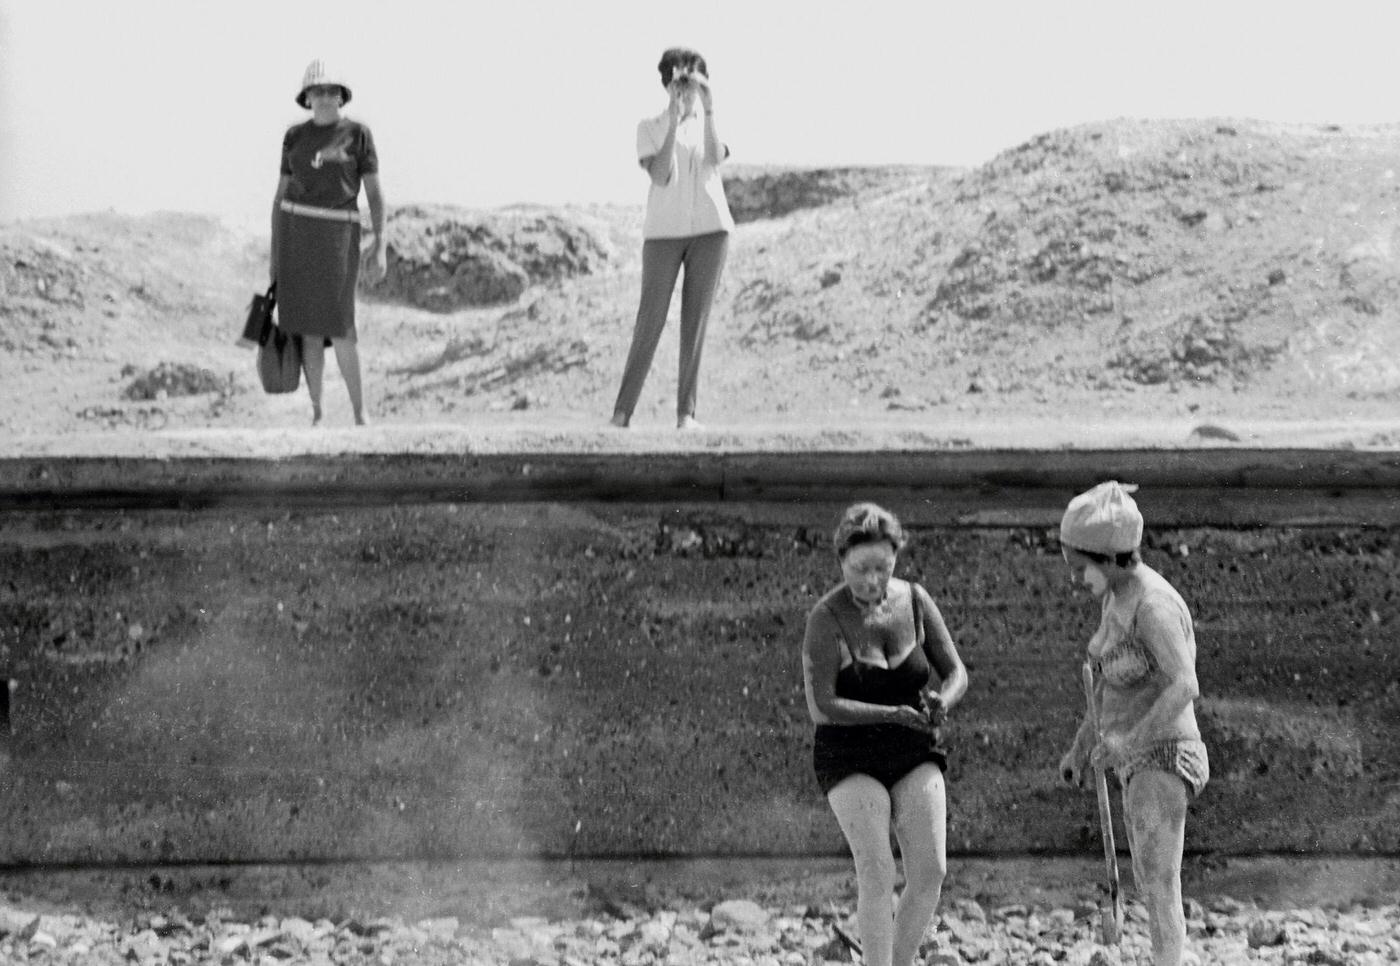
point(138, 105)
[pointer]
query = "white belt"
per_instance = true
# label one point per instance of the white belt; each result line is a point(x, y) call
point(330, 214)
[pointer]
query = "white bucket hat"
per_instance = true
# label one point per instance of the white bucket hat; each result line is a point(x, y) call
point(1103, 520)
point(319, 74)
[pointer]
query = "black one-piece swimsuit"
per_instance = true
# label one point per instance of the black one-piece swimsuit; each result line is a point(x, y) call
point(884, 752)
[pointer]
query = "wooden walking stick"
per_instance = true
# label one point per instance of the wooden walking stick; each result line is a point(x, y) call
point(849, 942)
point(1111, 910)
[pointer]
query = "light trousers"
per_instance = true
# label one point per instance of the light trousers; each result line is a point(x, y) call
point(703, 258)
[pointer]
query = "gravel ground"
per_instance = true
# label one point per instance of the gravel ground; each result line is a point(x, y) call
point(1019, 911)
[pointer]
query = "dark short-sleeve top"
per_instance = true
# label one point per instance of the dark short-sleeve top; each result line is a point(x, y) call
point(326, 162)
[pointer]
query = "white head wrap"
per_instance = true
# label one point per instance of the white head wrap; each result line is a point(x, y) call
point(1103, 520)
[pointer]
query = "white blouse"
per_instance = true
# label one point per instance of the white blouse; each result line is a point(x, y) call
point(692, 202)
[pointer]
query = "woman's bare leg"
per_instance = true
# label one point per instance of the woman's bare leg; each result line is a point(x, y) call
point(862, 807)
point(1154, 805)
point(347, 356)
point(920, 824)
point(313, 363)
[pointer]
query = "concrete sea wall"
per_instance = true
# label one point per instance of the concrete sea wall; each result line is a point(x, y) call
point(338, 658)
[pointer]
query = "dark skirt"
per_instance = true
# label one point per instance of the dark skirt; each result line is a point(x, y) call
point(318, 262)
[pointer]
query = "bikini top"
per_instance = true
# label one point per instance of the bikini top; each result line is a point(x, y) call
point(1127, 663)
point(1125, 660)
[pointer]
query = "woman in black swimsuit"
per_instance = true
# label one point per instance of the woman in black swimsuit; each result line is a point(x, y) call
point(881, 674)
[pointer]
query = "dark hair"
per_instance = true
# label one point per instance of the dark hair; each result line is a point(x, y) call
point(681, 57)
point(867, 523)
point(1128, 558)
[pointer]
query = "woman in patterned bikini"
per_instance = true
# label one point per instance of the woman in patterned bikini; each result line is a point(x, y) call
point(1144, 660)
point(881, 674)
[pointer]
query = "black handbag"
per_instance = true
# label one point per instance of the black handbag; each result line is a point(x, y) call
point(279, 353)
point(259, 316)
point(279, 361)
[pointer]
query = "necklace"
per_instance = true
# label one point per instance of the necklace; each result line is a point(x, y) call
point(873, 611)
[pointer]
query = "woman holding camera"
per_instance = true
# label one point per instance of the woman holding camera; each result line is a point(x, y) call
point(881, 675)
point(687, 225)
point(316, 231)
point(1144, 660)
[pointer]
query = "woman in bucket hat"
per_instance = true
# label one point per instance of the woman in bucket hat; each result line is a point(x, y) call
point(316, 230)
point(1143, 657)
